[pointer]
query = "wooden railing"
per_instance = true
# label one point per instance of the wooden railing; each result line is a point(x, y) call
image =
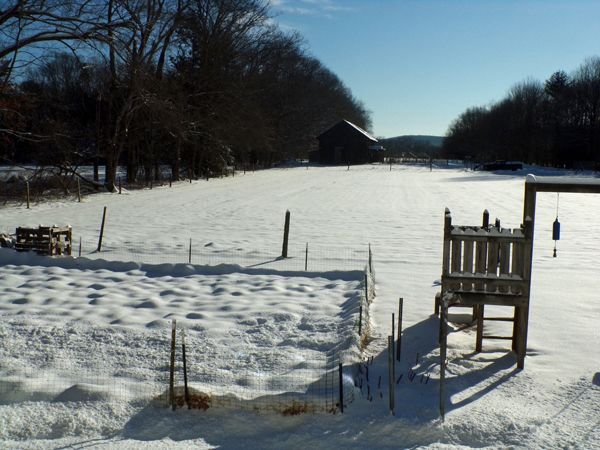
point(486, 265)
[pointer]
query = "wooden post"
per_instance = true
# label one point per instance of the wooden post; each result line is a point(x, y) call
point(360, 308)
point(119, 185)
point(190, 252)
point(443, 343)
point(481, 253)
point(341, 384)
point(446, 248)
point(171, 181)
point(399, 343)
point(27, 184)
point(480, 310)
point(101, 230)
point(521, 323)
point(286, 232)
point(370, 259)
point(393, 334)
point(306, 259)
point(79, 254)
point(185, 378)
point(391, 376)
point(78, 190)
point(172, 366)
point(529, 201)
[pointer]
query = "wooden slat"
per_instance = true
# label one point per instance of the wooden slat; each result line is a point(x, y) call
point(492, 263)
point(455, 261)
point(500, 319)
point(466, 299)
point(481, 237)
point(468, 262)
point(480, 262)
point(504, 257)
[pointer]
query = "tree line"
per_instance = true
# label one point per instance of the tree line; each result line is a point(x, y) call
point(196, 85)
point(554, 123)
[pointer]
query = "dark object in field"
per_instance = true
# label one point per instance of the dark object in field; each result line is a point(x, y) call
point(500, 165)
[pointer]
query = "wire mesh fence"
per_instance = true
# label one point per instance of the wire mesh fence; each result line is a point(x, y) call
point(291, 382)
point(80, 361)
point(304, 257)
point(73, 362)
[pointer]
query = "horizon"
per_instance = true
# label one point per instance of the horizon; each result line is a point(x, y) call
point(423, 63)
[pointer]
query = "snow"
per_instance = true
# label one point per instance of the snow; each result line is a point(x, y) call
point(575, 179)
point(119, 303)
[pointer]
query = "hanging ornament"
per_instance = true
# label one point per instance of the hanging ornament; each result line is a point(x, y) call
point(556, 228)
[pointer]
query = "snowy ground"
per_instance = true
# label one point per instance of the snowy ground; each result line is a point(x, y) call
point(553, 403)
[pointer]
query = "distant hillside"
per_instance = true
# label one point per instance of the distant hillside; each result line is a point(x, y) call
point(413, 143)
point(435, 141)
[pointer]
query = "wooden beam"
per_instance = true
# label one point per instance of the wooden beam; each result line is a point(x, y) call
point(564, 184)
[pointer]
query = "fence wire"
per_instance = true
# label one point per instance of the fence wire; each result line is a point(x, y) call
point(311, 258)
point(82, 362)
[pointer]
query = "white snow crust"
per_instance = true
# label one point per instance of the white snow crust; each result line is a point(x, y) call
point(120, 309)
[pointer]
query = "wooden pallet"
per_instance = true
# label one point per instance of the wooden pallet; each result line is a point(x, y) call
point(45, 240)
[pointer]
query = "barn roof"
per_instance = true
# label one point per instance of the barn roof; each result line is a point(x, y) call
point(356, 127)
point(361, 130)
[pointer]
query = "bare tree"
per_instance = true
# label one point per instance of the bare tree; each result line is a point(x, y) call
point(137, 55)
point(28, 28)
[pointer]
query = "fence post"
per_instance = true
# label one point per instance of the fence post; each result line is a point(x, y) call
point(393, 335)
point(391, 384)
point(286, 232)
point(101, 230)
point(341, 388)
point(27, 183)
point(172, 366)
point(370, 259)
point(185, 378)
point(399, 343)
point(306, 259)
point(360, 308)
point(443, 344)
point(119, 185)
point(78, 190)
point(79, 254)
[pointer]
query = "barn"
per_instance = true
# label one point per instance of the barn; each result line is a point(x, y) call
point(346, 143)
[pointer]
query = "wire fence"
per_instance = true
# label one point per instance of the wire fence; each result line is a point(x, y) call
point(73, 361)
point(78, 363)
point(303, 257)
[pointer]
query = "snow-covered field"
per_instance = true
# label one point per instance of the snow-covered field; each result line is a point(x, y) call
point(118, 311)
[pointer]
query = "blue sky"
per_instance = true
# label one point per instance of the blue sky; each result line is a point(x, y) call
point(417, 64)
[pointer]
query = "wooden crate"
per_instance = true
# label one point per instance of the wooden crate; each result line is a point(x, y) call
point(45, 240)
